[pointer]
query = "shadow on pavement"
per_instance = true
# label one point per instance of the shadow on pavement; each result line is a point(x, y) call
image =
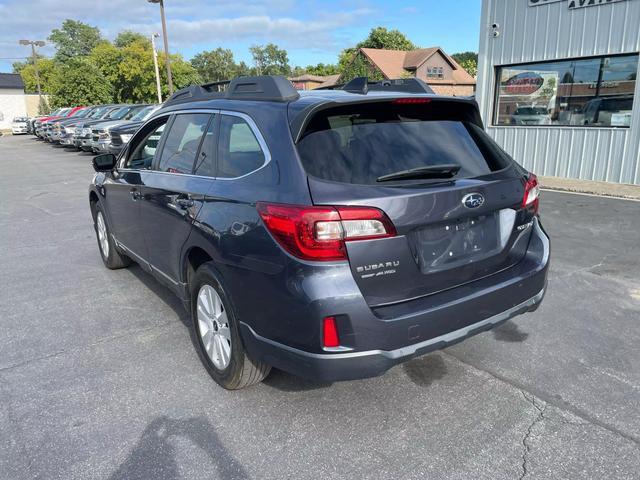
point(163, 293)
point(154, 456)
point(509, 332)
point(285, 382)
point(424, 371)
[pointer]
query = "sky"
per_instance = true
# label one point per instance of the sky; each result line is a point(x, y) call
point(311, 31)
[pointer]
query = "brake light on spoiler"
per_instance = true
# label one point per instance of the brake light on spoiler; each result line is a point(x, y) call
point(319, 233)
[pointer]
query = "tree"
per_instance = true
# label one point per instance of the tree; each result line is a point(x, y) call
point(270, 60)
point(379, 37)
point(46, 71)
point(322, 69)
point(468, 61)
point(74, 39)
point(127, 37)
point(80, 82)
point(360, 66)
point(215, 65)
point(129, 70)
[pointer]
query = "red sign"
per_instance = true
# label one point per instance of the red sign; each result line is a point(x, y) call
point(524, 83)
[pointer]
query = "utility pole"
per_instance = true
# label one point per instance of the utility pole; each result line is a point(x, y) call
point(166, 44)
point(155, 65)
point(34, 44)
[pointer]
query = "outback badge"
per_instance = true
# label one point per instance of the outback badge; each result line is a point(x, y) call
point(473, 200)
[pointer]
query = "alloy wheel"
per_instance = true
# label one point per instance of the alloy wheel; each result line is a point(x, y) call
point(213, 325)
point(103, 239)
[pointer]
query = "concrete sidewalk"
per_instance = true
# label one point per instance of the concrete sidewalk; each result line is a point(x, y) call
point(606, 189)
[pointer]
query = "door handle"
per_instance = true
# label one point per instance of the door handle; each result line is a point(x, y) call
point(135, 194)
point(184, 202)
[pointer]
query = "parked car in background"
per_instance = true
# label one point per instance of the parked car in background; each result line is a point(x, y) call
point(531, 115)
point(66, 127)
point(20, 125)
point(609, 111)
point(57, 130)
point(45, 124)
point(38, 130)
point(120, 134)
point(330, 234)
point(82, 134)
point(100, 130)
point(52, 131)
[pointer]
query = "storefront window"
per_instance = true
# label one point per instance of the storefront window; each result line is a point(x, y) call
point(594, 92)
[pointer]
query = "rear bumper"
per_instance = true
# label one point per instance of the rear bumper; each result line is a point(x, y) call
point(371, 363)
point(379, 338)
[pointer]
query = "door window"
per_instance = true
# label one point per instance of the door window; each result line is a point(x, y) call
point(182, 143)
point(143, 152)
point(239, 151)
point(206, 164)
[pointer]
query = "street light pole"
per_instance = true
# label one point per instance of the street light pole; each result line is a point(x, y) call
point(155, 66)
point(166, 43)
point(33, 44)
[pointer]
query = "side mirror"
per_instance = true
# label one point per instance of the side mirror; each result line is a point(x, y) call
point(104, 162)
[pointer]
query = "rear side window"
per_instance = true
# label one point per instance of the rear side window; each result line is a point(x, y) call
point(371, 141)
point(182, 143)
point(239, 151)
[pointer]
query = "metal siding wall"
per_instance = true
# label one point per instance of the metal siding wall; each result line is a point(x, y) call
point(552, 32)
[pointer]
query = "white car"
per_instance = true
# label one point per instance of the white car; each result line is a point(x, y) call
point(19, 125)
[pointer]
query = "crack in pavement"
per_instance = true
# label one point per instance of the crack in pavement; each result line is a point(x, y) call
point(561, 405)
point(538, 419)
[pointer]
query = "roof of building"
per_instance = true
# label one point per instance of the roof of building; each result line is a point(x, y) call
point(308, 78)
point(397, 63)
point(330, 81)
point(11, 80)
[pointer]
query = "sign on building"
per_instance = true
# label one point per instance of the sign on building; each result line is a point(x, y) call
point(573, 4)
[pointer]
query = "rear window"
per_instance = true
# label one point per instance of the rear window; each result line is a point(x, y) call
point(359, 147)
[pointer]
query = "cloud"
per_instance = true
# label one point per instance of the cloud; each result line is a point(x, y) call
point(287, 31)
point(289, 23)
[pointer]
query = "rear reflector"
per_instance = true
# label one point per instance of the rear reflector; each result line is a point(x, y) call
point(330, 333)
point(411, 101)
point(531, 197)
point(320, 233)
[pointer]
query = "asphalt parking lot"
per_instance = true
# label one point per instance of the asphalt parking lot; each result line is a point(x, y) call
point(99, 379)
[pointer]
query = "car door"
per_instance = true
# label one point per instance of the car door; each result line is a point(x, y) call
point(123, 190)
point(172, 194)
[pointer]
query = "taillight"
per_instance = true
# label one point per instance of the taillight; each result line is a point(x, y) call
point(330, 333)
point(531, 197)
point(320, 233)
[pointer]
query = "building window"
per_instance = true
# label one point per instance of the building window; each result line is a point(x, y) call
point(435, 72)
point(592, 92)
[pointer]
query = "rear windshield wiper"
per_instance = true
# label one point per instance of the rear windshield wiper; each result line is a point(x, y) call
point(433, 171)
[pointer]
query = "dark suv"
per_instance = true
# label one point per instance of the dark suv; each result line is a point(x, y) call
point(331, 234)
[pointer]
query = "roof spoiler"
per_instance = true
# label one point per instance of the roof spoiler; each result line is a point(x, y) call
point(362, 86)
point(268, 88)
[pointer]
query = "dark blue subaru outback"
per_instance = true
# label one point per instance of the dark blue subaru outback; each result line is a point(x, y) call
point(332, 234)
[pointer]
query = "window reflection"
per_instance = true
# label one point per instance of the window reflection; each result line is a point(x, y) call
point(585, 92)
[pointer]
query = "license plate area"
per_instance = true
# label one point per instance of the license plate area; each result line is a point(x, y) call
point(449, 245)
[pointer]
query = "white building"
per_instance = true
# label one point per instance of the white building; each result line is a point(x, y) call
point(12, 99)
point(557, 85)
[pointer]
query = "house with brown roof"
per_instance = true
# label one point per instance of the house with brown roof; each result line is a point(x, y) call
point(307, 81)
point(431, 65)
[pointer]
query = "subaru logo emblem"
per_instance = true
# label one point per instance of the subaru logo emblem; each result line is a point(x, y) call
point(473, 200)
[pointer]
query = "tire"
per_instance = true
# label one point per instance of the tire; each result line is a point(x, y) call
point(213, 335)
point(111, 257)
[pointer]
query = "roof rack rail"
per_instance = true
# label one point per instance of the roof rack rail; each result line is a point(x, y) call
point(362, 86)
point(268, 88)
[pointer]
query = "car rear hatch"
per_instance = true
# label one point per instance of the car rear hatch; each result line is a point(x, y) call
point(451, 228)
